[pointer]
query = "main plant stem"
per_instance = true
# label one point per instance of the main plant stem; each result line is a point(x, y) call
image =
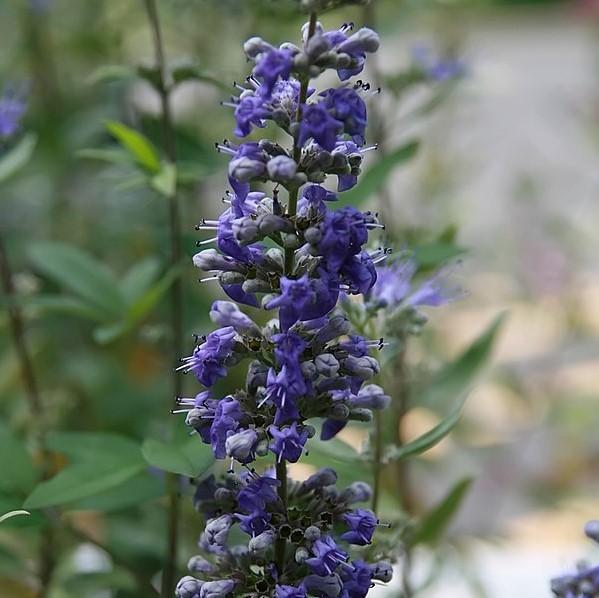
point(176, 293)
point(47, 555)
point(281, 466)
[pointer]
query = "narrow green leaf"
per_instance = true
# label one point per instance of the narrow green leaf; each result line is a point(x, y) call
point(80, 481)
point(80, 273)
point(374, 178)
point(90, 447)
point(432, 255)
point(139, 146)
point(138, 279)
point(92, 583)
point(165, 181)
point(190, 459)
point(17, 473)
point(426, 441)
point(17, 157)
point(191, 72)
point(458, 377)
point(48, 303)
point(433, 525)
point(111, 72)
point(135, 491)
point(112, 156)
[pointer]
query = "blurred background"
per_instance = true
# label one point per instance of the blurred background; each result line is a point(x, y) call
point(504, 99)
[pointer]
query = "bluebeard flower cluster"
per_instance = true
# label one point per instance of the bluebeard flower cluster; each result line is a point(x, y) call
point(12, 109)
point(584, 583)
point(437, 68)
point(284, 248)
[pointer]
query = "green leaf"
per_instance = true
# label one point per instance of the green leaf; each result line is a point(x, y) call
point(373, 179)
point(112, 156)
point(80, 273)
point(432, 255)
point(135, 491)
point(17, 157)
point(426, 441)
point(456, 379)
point(139, 146)
point(100, 462)
point(191, 72)
point(89, 584)
point(138, 278)
point(111, 72)
point(165, 181)
point(433, 525)
point(190, 459)
point(17, 473)
point(62, 304)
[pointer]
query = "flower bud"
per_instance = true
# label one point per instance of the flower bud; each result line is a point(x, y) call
point(241, 444)
point(361, 367)
point(245, 169)
point(194, 418)
point(198, 564)
point(188, 587)
point(336, 326)
point(360, 415)
point(323, 477)
point(275, 259)
point(339, 411)
point(371, 396)
point(316, 45)
point(262, 542)
point(312, 533)
point(382, 571)
point(301, 554)
point(254, 46)
point(313, 235)
point(269, 223)
point(329, 585)
point(309, 370)
point(256, 285)
point(210, 259)
point(226, 313)
point(327, 365)
point(256, 376)
point(217, 589)
point(231, 278)
point(357, 492)
point(591, 529)
point(246, 230)
point(281, 169)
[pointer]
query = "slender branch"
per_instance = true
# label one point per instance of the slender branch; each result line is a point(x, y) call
point(176, 293)
point(281, 466)
point(47, 556)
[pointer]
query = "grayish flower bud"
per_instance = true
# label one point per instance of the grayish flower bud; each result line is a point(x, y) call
point(281, 169)
point(217, 530)
point(217, 589)
point(245, 169)
point(360, 414)
point(325, 476)
point(256, 376)
point(316, 45)
point(309, 370)
point(336, 326)
point(364, 39)
point(339, 411)
point(198, 564)
point(240, 445)
point(221, 494)
point(371, 396)
point(194, 418)
point(291, 241)
point(300, 61)
point(313, 235)
point(188, 587)
point(210, 259)
point(301, 554)
point(362, 367)
point(327, 365)
point(312, 533)
point(382, 571)
point(262, 542)
point(254, 46)
point(262, 448)
point(246, 230)
point(357, 492)
point(591, 529)
point(226, 313)
point(231, 277)
point(269, 223)
point(256, 285)
point(275, 258)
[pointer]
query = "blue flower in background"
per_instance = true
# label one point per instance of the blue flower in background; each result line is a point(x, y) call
point(12, 109)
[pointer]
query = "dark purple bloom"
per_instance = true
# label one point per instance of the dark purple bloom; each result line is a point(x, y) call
point(331, 427)
point(326, 556)
point(361, 524)
point(254, 523)
point(226, 420)
point(288, 348)
point(250, 111)
point(357, 581)
point(289, 592)
point(287, 443)
point(272, 66)
point(319, 125)
point(360, 273)
point(12, 109)
point(257, 493)
point(295, 297)
point(283, 389)
point(208, 359)
point(345, 105)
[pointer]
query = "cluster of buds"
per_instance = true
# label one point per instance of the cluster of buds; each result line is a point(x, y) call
point(585, 582)
point(285, 249)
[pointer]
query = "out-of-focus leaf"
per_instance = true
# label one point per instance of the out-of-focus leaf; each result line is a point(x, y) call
point(138, 278)
point(190, 459)
point(80, 481)
point(11, 514)
point(191, 72)
point(435, 254)
point(347, 462)
point(133, 492)
point(17, 157)
point(62, 304)
point(433, 525)
point(87, 584)
point(79, 272)
point(139, 146)
point(112, 156)
point(111, 72)
point(17, 472)
point(455, 379)
point(100, 462)
point(426, 441)
point(375, 177)
point(165, 181)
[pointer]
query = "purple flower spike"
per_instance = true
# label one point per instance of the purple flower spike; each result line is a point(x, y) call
point(12, 109)
point(287, 442)
point(362, 524)
point(273, 65)
point(318, 124)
